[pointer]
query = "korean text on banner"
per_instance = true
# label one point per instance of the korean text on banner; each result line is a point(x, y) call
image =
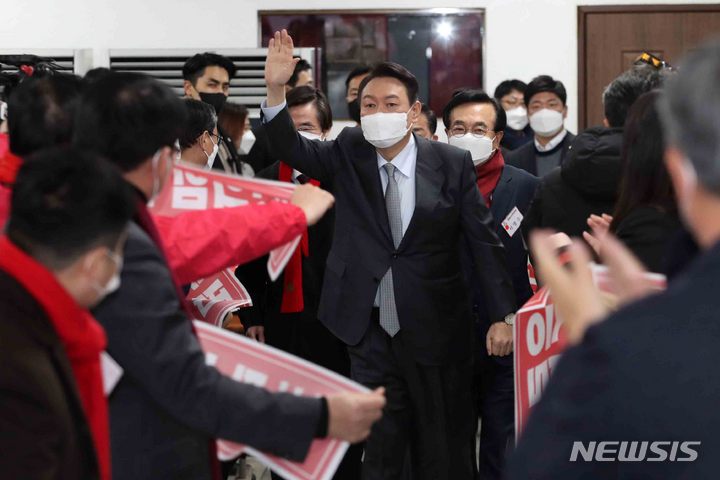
point(195, 189)
point(252, 362)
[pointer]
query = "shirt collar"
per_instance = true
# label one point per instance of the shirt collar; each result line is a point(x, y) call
point(554, 142)
point(405, 160)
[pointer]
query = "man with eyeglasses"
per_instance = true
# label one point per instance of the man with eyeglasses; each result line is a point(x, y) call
point(511, 95)
point(474, 121)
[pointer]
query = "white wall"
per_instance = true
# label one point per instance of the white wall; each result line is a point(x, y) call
point(523, 37)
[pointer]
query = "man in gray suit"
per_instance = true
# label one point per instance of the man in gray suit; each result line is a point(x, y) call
point(169, 406)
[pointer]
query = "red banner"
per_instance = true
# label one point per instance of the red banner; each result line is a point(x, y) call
point(540, 339)
point(196, 189)
point(251, 362)
point(212, 298)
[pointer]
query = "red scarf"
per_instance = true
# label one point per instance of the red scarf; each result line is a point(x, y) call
point(81, 335)
point(293, 299)
point(489, 175)
point(145, 221)
point(9, 163)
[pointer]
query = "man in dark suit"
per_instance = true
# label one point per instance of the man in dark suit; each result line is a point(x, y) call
point(394, 289)
point(545, 99)
point(285, 312)
point(476, 122)
point(169, 405)
point(648, 374)
point(60, 256)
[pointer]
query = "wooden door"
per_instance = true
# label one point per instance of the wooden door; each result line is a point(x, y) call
point(611, 37)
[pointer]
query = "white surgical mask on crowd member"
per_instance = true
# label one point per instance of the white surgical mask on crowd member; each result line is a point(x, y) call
point(311, 136)
point(157, 181)
point(384, 130)
point(247, 142)
point(480, 147)
point(114, 282)
point(211, 156)
point(3, 111)
point(546, 122)
point(517, 118)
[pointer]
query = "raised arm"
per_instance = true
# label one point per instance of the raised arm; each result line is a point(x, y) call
point(313, 158)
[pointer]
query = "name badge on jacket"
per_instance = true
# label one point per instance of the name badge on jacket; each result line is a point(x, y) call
point(512, 222)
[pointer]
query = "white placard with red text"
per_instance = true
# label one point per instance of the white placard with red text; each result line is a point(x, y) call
point(192, 188)
point(251, 362)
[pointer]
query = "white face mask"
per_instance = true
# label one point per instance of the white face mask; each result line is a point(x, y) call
point(384, 130)
point(211, 156)
point(547, 122)
point(3, 111)
point(481, 148)
point(246, 142)
point(312, 136)
point(517, 118)
point(114, 283)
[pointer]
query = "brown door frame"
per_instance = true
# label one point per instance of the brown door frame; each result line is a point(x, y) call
point(583, 11)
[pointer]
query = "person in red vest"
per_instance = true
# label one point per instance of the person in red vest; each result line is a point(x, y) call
point(169, 406)
point(61, 254)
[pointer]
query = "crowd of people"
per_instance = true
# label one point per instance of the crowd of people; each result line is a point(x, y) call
point(413, 261)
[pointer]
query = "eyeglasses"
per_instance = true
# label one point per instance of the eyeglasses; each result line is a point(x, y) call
point(459, 131)
point(647, 58)
point(216, 136)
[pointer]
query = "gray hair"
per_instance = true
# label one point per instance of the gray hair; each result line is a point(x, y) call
point(690, 113)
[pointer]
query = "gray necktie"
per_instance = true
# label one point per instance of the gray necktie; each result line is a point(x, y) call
point(388, 311)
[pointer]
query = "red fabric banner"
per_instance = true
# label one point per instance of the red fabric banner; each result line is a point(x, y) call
point(212, 298)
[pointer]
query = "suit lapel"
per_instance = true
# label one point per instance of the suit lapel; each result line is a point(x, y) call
point(365, 160)
point(428, 185)
point(502, 199)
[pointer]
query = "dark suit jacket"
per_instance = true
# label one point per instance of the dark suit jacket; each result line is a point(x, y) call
point(43, 431)
point(525, 157)
point(649, 372)
point(169, 403)
point(267, 295)
point(516, 188)
point(430, 292)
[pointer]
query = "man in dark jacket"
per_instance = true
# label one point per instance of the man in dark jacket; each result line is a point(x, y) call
point(476, 122)
point(61, 256)
point(643, 385)
point(169, 405)
point(393, 290)
point(545, 99)
point(517, 132)
point(587, 182)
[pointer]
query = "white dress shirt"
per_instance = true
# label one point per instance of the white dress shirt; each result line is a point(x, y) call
point(554, 142)
point(405, 163)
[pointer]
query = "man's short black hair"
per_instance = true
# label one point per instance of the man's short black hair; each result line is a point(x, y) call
point(41, 111)
point(507, 86)
point(431, 118)
point(475, 96)
point(306, 94)
point(619, 96)
point(201, 118)
point(356, 72)
point(127, 117)
point(301, 66)
point(67, 201)
point(545, 83)
point(396, 71)
point(195, 67)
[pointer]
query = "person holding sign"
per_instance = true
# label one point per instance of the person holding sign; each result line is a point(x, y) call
point(169, 405)
point(393, 288)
